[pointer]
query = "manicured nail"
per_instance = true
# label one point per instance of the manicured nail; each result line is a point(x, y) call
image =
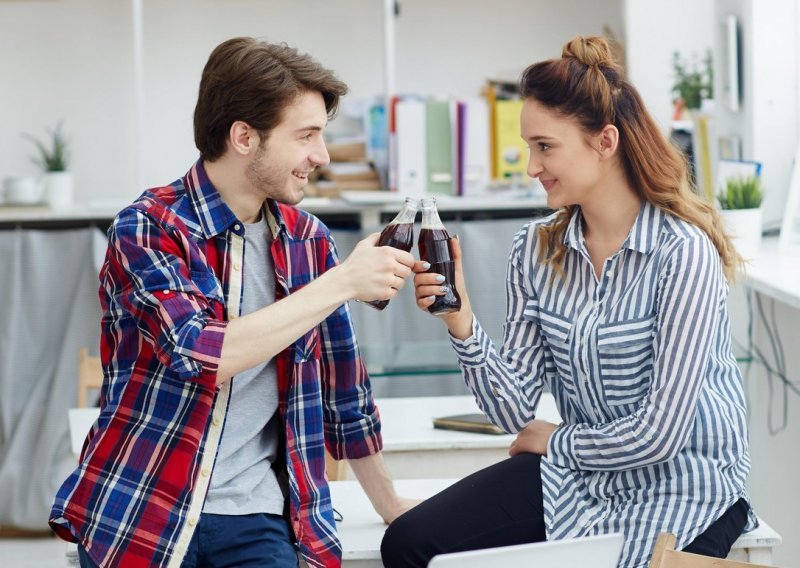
point(432, 298)
point(443, 289)
point(439, 278)
point(426, 265)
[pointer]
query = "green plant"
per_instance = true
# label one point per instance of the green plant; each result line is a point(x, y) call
point(693, 83)
point(55, 156)
point(741, 193)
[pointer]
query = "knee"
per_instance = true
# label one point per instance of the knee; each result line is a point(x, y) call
point(402, 543)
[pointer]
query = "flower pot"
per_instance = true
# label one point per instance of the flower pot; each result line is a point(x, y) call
point(58, 189)
point(744, 226)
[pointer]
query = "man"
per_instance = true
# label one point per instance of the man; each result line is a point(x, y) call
point(227, 346)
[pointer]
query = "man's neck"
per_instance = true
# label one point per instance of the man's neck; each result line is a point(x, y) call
point(235, 189)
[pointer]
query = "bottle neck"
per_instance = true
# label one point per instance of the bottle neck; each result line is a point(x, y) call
point(430, 218)
point(406, 215)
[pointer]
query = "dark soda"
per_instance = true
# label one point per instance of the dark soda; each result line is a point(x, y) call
point(398, 234)
point(435, 248)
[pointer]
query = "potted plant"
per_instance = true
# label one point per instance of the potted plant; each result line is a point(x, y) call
point(740, 201)
point(53, 159)
point(693, 83)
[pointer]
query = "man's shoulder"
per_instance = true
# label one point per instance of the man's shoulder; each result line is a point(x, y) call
point(163, 205)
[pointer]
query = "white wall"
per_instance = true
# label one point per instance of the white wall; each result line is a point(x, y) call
point(654, 31)
point(768, 121)
point(73, 60)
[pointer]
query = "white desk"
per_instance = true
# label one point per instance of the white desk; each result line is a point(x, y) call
point(775, 273)
point(361, 529)
point(413, 448)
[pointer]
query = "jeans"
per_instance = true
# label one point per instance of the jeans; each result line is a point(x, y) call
point(256, 541)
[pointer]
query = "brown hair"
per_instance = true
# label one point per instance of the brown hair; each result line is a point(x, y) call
point(587, 86)
point(254, 81)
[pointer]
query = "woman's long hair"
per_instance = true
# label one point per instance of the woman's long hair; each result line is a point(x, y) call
point(587, 86)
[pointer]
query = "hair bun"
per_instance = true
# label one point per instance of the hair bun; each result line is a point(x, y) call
point(593, 51)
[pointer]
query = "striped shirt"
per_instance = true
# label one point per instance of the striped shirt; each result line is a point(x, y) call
point(639, 361)
point(171, 281)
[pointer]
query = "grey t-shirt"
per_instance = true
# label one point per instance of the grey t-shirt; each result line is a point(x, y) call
point(243, 481)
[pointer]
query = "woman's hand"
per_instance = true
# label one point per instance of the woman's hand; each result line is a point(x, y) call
point(427, 285)
point(533, 439)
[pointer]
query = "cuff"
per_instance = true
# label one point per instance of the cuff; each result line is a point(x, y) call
point(354, 440)
point(471, 351)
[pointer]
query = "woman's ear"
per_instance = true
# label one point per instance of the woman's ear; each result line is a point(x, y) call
point(607, 141)
point(242, 138)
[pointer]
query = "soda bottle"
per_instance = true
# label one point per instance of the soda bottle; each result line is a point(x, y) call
point(398, 234)
point(434, 247)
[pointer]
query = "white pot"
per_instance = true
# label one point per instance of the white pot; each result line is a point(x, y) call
point(744, 225)
point(58, 189)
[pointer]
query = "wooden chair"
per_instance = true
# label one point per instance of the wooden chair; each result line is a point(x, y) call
point(665, 556)
point(90, 376)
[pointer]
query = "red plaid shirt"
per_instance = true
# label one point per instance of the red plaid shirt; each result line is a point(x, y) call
point(171, 280)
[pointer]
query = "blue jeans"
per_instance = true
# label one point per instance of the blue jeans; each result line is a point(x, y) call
point(258, 540)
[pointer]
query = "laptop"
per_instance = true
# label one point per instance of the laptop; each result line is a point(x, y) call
point(601, 551)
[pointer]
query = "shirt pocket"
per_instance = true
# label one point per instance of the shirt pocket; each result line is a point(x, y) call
point(557, 332)
point(625, 352)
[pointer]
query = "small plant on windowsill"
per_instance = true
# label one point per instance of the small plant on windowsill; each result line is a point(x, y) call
point(693, 82)
point(741, 193)
point(741, 212)
point(52, 157)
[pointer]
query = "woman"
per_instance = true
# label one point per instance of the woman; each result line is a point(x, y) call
point(617, 304)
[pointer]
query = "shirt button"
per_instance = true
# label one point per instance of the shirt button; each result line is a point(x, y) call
point(237, 227)
point(192, 522)
point(495, 391)
point(216, 421)
point(206, 471)
point(237, 266)
point(166, 292)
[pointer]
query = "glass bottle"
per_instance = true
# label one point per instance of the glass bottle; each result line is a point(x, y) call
point(434, 247)
point(398, 234)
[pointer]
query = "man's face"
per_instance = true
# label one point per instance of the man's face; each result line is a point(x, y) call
point(282, 163)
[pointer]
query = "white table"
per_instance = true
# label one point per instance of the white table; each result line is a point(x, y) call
point(413, 448)
point(361, 529)
point(775, 273)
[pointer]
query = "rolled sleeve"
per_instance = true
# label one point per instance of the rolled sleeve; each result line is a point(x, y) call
point(148, 276)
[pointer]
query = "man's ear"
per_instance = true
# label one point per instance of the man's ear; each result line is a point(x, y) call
point(607, 141)
point(242, 138)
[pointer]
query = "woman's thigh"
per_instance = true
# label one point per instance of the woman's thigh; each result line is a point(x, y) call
point(497, 506)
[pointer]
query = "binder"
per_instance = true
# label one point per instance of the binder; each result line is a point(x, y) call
point(475, 422)
point(439, 144)
point(476, 167)
point(511, 152)
point(410, 138)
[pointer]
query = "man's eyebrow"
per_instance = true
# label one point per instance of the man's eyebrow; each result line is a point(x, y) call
point(314, 128)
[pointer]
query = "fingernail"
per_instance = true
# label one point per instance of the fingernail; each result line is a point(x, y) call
point(456, 237)
point(432, 298)
point(443, 289)
point(439, 278)
point(426, 265)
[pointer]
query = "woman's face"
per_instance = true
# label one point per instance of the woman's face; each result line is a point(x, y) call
point(561, 155)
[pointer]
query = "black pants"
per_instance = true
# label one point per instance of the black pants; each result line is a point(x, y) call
point(500, 506)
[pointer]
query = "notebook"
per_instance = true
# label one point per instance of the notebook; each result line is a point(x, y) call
point(601, 551)
point(473, 422)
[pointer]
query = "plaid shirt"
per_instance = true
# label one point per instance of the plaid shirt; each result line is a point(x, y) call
point(171, 280)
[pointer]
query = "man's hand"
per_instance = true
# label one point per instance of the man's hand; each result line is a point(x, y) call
point(401, 506)
point(375, 273)
point(533, 439)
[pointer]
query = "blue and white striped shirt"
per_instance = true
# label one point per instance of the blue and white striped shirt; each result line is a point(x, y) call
point(639, 362)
